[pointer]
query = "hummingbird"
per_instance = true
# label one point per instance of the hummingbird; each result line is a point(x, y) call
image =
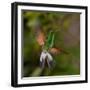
point(47, 46)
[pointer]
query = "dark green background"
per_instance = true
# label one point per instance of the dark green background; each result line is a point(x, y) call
point(67, 38)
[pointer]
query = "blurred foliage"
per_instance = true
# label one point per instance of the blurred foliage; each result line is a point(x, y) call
point(67, 36)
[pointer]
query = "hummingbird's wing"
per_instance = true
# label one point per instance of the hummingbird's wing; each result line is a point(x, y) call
point(57, 51)
point(40, 38)
point(54, 50)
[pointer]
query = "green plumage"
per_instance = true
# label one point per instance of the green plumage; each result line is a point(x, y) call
point(50, 40)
